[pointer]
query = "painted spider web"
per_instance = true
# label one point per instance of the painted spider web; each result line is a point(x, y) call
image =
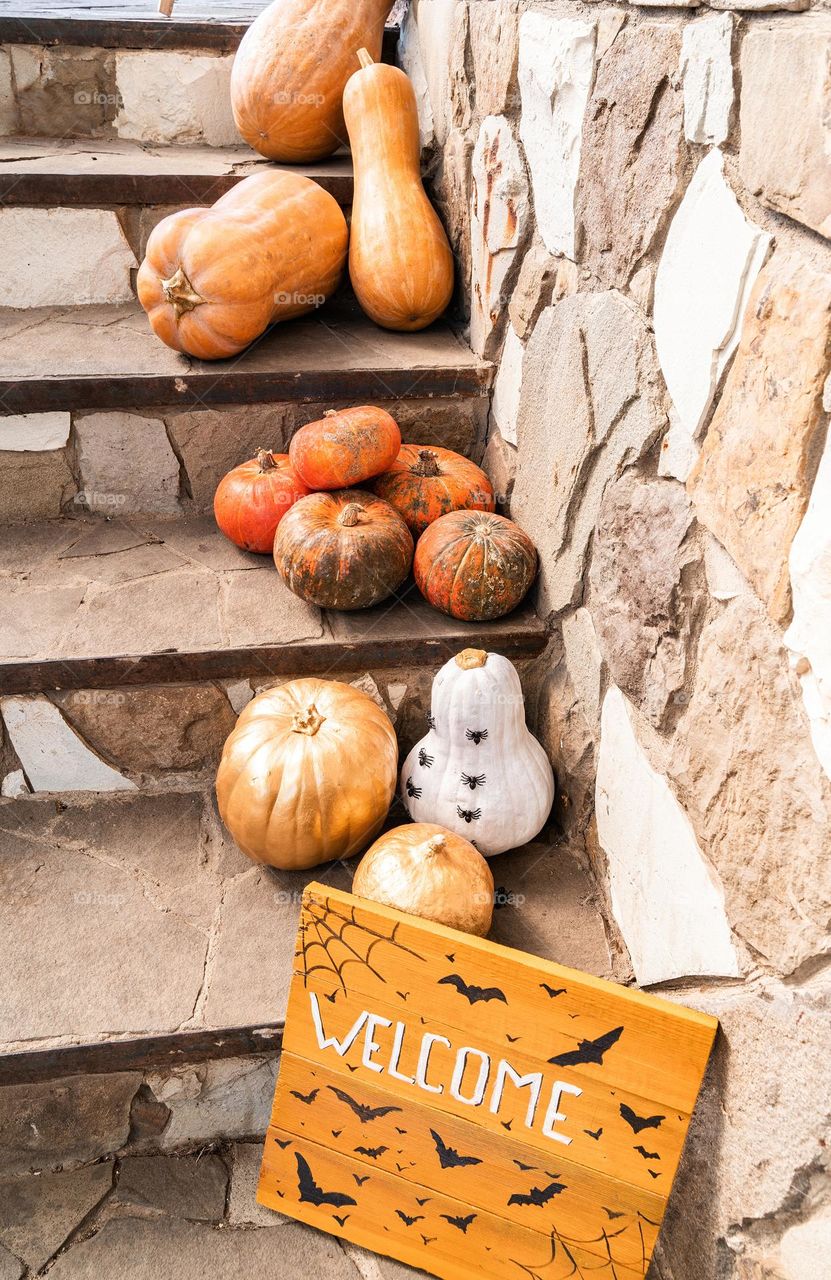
point(605, 1268)
point(328, 948)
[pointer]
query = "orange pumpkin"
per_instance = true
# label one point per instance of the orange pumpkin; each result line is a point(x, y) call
point(343, 550)
point(400, 261)
point(425, 483)
point(251, 500)
point(271, 248)
point(290, 70)
point(345, 447)
point(474, 565)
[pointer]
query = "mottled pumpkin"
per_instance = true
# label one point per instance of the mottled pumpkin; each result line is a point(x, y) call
point(251, 500)
point(474, 565)
point(345, 447)
point(343, 550)
point(425, 483)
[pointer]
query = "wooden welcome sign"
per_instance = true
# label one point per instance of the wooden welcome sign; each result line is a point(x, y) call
point(472, 1110)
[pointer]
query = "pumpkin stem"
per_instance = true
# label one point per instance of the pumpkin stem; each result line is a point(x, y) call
point(435, 845)
point(180, 293)
point(308, 721)
point(470, 658)
point(266, 460)
point(331, 413)
point(365, 58)
point(427, 465)
point(351, 514)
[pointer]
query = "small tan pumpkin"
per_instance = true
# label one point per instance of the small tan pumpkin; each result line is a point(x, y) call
point(430, 872)
point(307, 774)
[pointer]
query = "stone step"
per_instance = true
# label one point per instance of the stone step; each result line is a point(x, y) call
point(107, 71)
point(119, 174)
point(175, 948)
point(74, 357)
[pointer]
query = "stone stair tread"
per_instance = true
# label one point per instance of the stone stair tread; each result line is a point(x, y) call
point(72, 171)
point(166, 931)
point(104, 357)
point(89, 602)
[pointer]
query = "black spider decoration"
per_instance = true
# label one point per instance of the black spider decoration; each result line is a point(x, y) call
point(476, 735)
point(413, 790)
point(424, 760)
point(469, 815)
point(473, 780)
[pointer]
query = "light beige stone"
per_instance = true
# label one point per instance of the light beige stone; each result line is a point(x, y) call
point(543, 280)
point(64, 1121)
point(450, 191)
point(494, 44)
point(192, 1187)
point(53, 756)
point(38, 1213)
point(243, 1209)
point(507, 387)
point(63, 257)
point(591, 404)
point(805, 1249)
point(498, 219)
point(499, 464)
point(256, 607)
point(745, 769)
point(8, 101)
point(38, 432)
point(172, 95)
point(786, 120)
point(34, 486)
point(64, 90)
point(707, 68)
point(751, 482)
point(126, 464)
point(215, 1101)
point(633, 143)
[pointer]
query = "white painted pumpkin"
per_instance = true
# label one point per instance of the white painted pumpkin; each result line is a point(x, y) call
point(479, 771)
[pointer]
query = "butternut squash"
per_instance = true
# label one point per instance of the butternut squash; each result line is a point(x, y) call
point(400, 261)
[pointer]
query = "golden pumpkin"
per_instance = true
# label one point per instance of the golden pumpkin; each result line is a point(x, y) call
point(271, 248)
point(400, 261)
point(307, 774)
point(290, 70)
point(429, 872)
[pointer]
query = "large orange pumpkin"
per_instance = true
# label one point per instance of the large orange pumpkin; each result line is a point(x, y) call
point(345, 447)
point(343, 550)
point(251, 500)
point(400, 261)
point(290, 70)
point(308, 774)
point(214, 279)
point(425, 483)
point(474, 565)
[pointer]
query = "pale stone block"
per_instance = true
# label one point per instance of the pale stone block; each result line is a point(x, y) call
point(488, 273)
point(34, 432)
point(436, 23)
point(556, 68)
point(367, 685)
point(498, 218)
point(174, 96)
point(228, 1097)
point(725, 579)
point(52, 756)
point(14, 784)
point(707, 69)
point(666, 898)
point(708, 267)
point(507, 387)
point(8, 101)
point(125, 463)
point(63, 257)
point(395, 693)
point(239, 694)
point(805, 1249)
point(809, 635)
point(409, 56)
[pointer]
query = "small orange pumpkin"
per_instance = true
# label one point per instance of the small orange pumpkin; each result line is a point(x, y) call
point(474, 565)
point(345, 447)
point(343, 550)
point(251, 500)
point(425, 483)
point(271, 248)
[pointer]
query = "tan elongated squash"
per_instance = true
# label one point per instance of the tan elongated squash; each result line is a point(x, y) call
point(400, 261)
point(271, 248)
point(290, 71)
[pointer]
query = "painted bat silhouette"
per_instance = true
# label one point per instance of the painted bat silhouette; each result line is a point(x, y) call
point(372, 1152)
point(476, 735)
point(342, 1220)
point(311, 1193)
point(413, 790)
point(611, 1214)
point(636, 1122)
point(588, 1051)
point(553, 992)
point(647, 1155)
point(282, 1145)
point(523, 1167)
point(306, 1098)
point(360, 1180)
point(461, 1224)
point(362, 1111)
point(407, 1220)
point(423, 1202)
point(449, 1158)
point(597, 1134)
point(429, 1239)
point(473, 780)
point(538, 1195)
point(472, 992)
point(653, 1173)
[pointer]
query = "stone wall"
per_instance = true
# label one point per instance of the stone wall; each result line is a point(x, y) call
point(641, 201)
